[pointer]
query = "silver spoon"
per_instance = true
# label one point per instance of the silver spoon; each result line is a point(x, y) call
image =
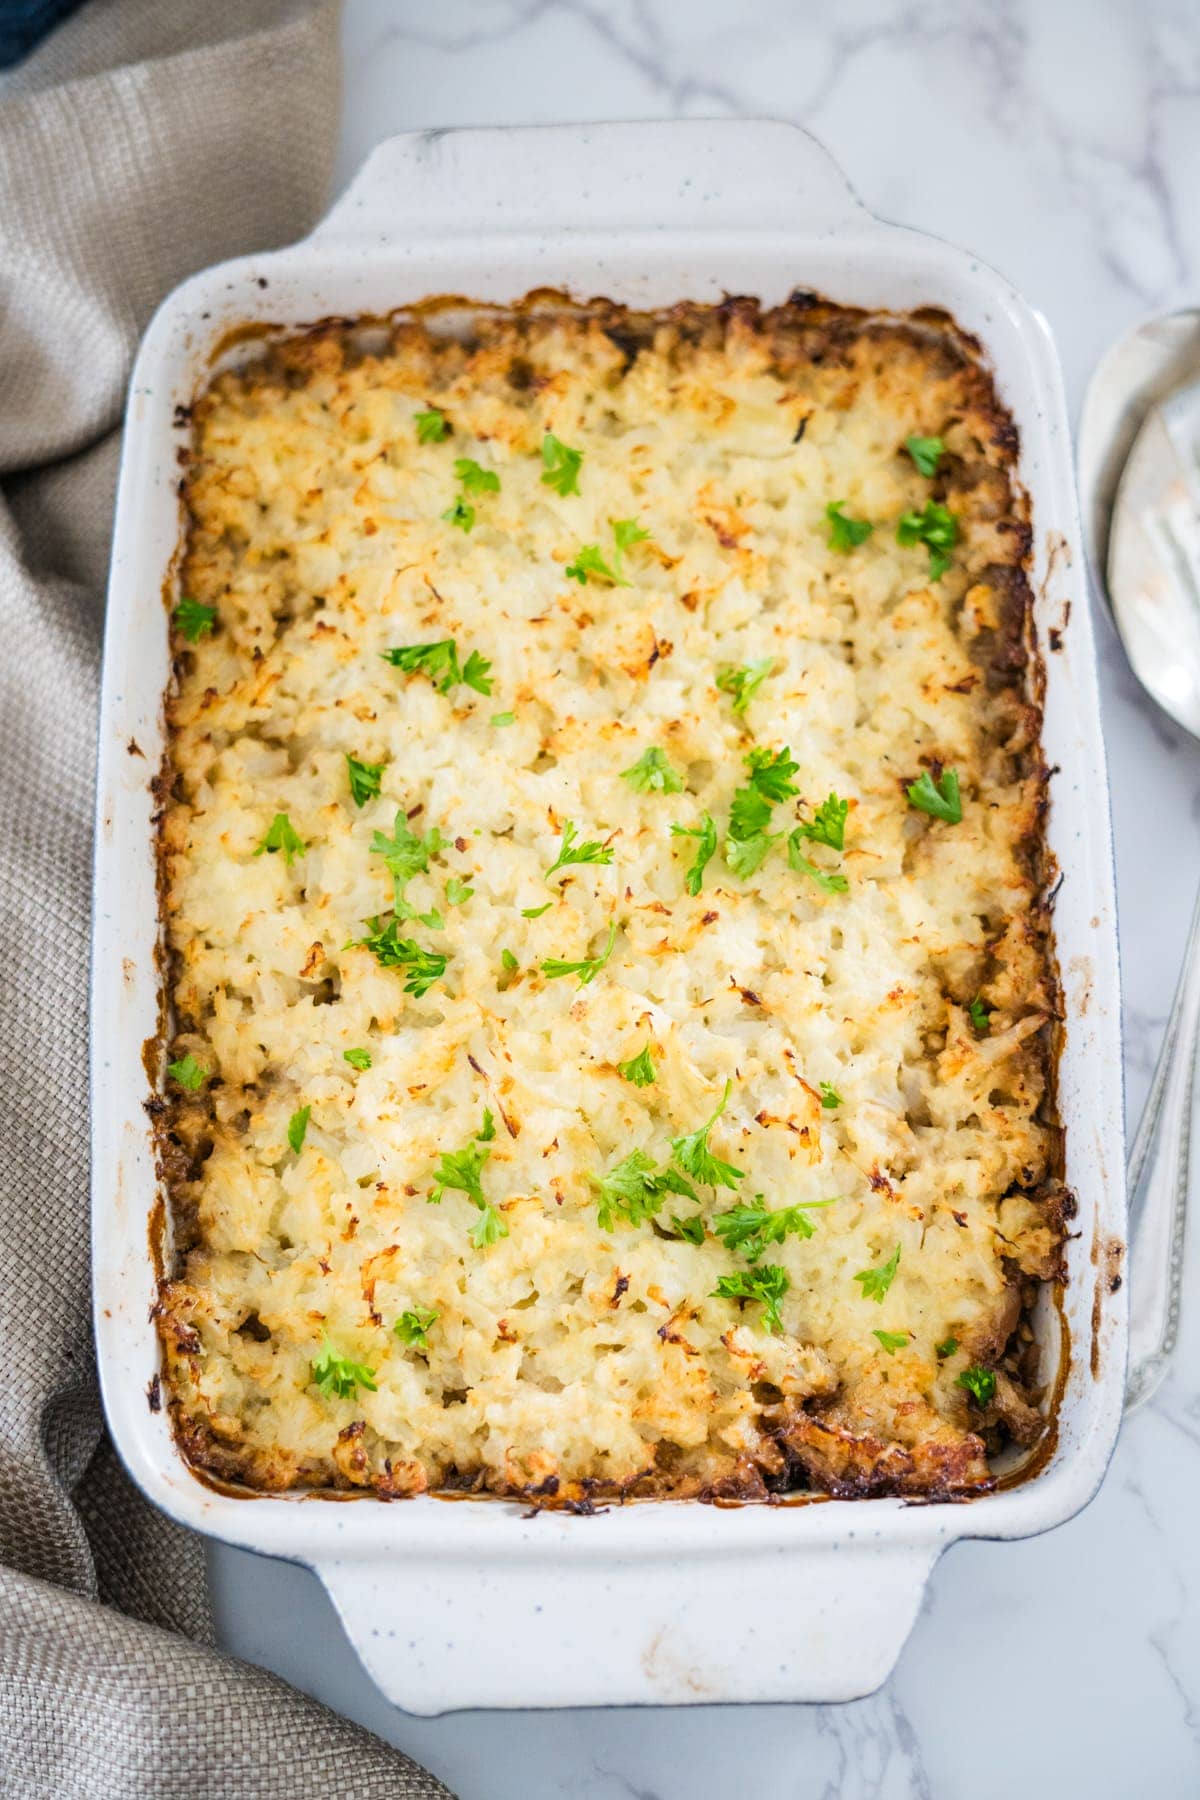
point(1139, 477)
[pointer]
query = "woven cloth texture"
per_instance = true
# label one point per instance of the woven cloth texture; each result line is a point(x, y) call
point(142, 141)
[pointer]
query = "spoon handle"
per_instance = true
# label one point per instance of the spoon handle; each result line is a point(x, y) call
point(1158, 1187)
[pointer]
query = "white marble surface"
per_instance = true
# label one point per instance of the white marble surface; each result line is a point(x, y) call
point(1061, 140)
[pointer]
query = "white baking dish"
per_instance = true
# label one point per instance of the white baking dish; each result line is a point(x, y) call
point(474, 1604)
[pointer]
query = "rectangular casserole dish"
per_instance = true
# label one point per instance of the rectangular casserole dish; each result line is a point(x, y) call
point(472, 1605)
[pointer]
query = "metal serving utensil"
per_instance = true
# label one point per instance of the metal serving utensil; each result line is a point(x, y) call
point(1139, 471)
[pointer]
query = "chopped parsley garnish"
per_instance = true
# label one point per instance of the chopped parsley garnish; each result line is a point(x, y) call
point(626, 533)
point(935, 527)
point(461, 514)
point(981, 1017)
point(488, 1228)
point(876, 1282)
point(487, 1130)
point(432, 425)
point(751, 1227)
point(892, 1340)
point(282, 835)
point(926, 452)
point(946, 1349)
point(297, 1129)
point(743, 681)
point(635, 1189)
point(706, 849)
point(461, 1170)
point(194, 619)
point(745, 856)
point(830, 1098)
point(391, 951)
point(771, 774)
point(653, 774)
point(696, 1159)
point(561, 465)
point(188, 1073)
point(440, 662)
point(509, 962)
point(500, 719)
point(535, 912)
point(979, 1383)
point(768, 1284)
point(570, 852)
point(941, 799)
point(588, 561)
point(639, 1069)
point(358, 1059)
point(365, 778)
point(340, 1376)
point(846, 533)
point(587, 968)
point(412, 1327)
point(405, 855)
point(691, 1230)
point(458, 892)
point(749, 813)
point(474, 477)
point(828, 824)
point(803, 865)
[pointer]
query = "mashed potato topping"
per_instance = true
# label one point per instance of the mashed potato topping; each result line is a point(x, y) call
point(603, 888)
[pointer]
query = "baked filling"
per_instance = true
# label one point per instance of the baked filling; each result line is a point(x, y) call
point(604, 887)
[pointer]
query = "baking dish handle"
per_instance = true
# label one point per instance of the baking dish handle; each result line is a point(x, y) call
point(708, 174)
point(809, 1623)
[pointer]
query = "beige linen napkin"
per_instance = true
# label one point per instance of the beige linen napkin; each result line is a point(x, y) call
point(144, 140)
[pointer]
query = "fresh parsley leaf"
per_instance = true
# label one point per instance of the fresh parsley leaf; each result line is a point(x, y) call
point(876, 1282)
point(339, 1376)
point(365, 778)
point(946, 1349)
point(487, 1130)
point(828, 824)
point(935, 527)
point(440, 662)
point(589, 561)
point(588, 968)
point(631, 1189)
point(768, 1284)
point(405, 855)
point(358, 1059)
point(980, 1016)
point(803, 865)
point(691, 1230)
point(462, 1171)
point(626, 533)
point(926, 452)
point(393, 952)
point(653, 774)
point(193, 618)
point(830, 1098)
point(488, 1228)
point(474, 477)
point(281, 835)
point(432, 425)
point(458, 892)
point(639, 1069)
point(743, 682)
point(570, 852)
point(750, 1227)
point(412, 1328)
point(535, 912)
point(505, 718)
point(561, 466)
point(941, 799)
point(509, 962)
point(749, 813)
point(979, 1383)
point(892, 1340)
point(706, 831)
point(298, 1128)
point(745, 856)
point(845, 533)
point(188, 1073)
point(461, 514)
point(695, 1158)
point(771, 774)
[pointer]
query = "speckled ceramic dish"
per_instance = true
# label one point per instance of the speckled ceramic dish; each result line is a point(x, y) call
point(475, 1604)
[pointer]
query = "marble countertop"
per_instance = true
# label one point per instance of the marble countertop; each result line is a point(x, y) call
point(1061, 140)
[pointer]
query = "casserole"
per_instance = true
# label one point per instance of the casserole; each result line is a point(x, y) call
point(645, 1603)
